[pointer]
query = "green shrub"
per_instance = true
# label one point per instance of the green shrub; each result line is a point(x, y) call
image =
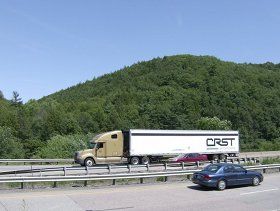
point(63, 146)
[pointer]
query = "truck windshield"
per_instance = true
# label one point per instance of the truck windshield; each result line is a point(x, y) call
point(92, 145)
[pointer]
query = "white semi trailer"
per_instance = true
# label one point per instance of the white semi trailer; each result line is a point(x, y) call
point(143, 146)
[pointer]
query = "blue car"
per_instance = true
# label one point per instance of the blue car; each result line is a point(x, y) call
point(222, 175)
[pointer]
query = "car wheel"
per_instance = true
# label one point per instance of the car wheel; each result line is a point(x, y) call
point(256, 181)
point(134, 160)
point(221, 185)
point(89, 162)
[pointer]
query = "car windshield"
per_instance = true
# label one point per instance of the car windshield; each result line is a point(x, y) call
point(212, 168)
point(181, 156)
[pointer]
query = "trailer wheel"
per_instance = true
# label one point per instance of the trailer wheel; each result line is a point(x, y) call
point(215, 157)
point(145, 160)
point(223, 157)
point(89, 162)
point(134, 160)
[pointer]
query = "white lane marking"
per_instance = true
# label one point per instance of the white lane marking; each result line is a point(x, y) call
point(261, 191)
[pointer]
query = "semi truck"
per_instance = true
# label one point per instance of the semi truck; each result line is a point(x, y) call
point(138, 146)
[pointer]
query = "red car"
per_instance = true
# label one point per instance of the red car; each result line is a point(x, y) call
point(191, 157)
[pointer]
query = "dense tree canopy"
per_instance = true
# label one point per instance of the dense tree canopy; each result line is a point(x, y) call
point(176, 92)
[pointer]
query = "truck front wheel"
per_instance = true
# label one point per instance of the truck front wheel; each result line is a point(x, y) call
point(134, 160)
point(89, 162)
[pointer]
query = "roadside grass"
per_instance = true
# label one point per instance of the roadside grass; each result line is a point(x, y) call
point(270, 161)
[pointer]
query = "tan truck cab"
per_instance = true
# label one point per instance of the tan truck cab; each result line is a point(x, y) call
point(104, 148)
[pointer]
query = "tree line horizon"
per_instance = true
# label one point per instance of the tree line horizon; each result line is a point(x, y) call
point(174, 92)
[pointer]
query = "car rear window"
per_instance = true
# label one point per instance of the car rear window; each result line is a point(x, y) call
point(212, 168)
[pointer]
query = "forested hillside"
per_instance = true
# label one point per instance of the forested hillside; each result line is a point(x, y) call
point(176, 92)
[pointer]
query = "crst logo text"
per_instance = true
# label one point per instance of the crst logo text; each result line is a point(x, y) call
point(211, 142)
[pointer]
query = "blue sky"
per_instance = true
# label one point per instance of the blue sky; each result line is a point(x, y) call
point(46, 46)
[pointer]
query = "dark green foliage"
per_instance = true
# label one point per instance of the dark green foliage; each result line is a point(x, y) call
point(10, 147)
point(1, 95)
point(176, 92)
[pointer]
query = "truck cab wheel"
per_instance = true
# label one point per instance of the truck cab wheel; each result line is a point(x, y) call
point(145, 160)
point(89, 162)
point(134, 160)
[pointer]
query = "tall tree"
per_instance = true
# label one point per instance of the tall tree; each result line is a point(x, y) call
point(16, 100)
point(1, 95)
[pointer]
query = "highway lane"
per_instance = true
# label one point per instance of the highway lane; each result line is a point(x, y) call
point(163, 196)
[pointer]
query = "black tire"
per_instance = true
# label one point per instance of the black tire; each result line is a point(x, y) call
point(221, 185)
point(89, 162)
point(215, 157)
point(134, 161)
point(145, 160)
point(223, 157)
point(256, 181)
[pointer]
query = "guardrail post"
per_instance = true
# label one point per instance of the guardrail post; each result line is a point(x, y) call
point(148, 167)
point(55, 184)
point(85, 183)
point(165, 166)
point(141, 180)
point(183, 165)
point(238, 160)
point(197, 164)
point(64, 170)
point(212, 161)
point(264, 170)
point(21, 185)
point(129, 168)
point(165, 179)
point(87, 170)
point(109, 169)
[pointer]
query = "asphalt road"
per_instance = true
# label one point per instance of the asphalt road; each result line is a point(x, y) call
point(163, 196)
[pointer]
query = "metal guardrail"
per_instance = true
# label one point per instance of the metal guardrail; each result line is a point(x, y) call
point(24, 161)
point(129, 167)
point(114, 177)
